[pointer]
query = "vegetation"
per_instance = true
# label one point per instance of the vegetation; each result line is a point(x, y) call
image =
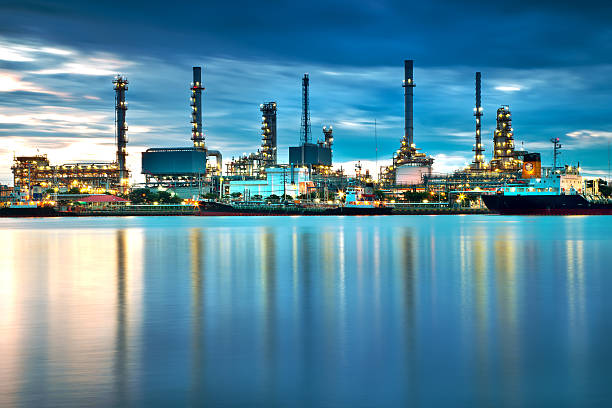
point(416, 196)
point(210, 196)
point(379, 194)
point(273, 197)
point(146, 196)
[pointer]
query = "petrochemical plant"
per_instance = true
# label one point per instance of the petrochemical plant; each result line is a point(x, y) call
point(189, 173)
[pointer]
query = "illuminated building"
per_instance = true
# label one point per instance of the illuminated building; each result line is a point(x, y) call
point(36, 171)
point(504, 156)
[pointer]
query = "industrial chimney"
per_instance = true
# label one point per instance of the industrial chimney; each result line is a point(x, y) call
point(408, 85)
point(478, 149)
point(197, 132)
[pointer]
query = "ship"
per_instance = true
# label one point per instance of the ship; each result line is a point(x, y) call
point(28, 210)
point(559, 192)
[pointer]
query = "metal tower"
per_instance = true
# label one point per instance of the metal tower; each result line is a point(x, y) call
point(197, 133)
point(478, 163)
point(120, 85)
point(556, 151)
point(503, 141)
point(408, 85)
point(305, 132)
point(268, 133)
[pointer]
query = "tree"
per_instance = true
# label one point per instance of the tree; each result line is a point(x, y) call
point(142, 195)
point(415, 196)
point(257, 197)
point(74, 190)
point(164, 197)
point(287, 197)
point(236, 195)
point(210, 196)
point(273, 197)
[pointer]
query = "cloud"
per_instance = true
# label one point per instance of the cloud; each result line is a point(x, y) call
point(372, 166)
point(508, 88)
point(590, 136)
point(12, 53)
point(19, 52)
point(447, 163)
point(83, 65)
point(12, 82)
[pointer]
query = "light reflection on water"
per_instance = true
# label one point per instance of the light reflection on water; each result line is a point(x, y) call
point(313, 311)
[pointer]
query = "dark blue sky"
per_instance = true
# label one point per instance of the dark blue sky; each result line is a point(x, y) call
point(551, 62)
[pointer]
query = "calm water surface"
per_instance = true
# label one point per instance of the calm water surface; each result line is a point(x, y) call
point(422, 311)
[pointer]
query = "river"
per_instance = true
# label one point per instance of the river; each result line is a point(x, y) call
point(431, 311)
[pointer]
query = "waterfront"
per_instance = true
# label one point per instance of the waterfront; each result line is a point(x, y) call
point(469, 310)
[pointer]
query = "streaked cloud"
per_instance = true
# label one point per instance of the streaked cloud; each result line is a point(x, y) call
point(508, 88)
point(13, 82)
point(591, 136)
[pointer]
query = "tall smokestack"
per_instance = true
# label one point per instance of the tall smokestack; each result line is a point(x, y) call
point(478, 149)
point(120, 85)
point(408, 85)
point(197, 132)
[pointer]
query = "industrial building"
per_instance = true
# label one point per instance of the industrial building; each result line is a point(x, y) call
point(184, 169)
point(316, 156)
point(31, 171)
point(36, 172)
point(409, 166)
point(254, 164)
point(505, 158)
point(279, 181)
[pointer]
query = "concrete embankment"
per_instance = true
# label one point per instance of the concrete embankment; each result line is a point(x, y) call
point(439, 211)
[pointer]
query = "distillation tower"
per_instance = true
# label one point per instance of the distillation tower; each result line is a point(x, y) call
point(121, 86)
point(268, 134)
point(255, 164)
point(305, 132)
point(504, 157)
point(478, 163)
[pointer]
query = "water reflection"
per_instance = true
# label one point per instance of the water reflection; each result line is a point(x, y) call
point(120, 368)
point(304, 311)
point(198, 384)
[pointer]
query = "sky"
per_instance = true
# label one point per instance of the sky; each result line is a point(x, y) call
point(550, 61)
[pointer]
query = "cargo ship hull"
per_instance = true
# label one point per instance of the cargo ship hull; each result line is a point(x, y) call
point(545, 205)
point(23, 211)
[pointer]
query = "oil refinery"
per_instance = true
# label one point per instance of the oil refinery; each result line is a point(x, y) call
point(192, 173)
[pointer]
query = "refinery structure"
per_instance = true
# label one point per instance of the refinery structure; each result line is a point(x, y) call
point(195, 171)
point(34, 174)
